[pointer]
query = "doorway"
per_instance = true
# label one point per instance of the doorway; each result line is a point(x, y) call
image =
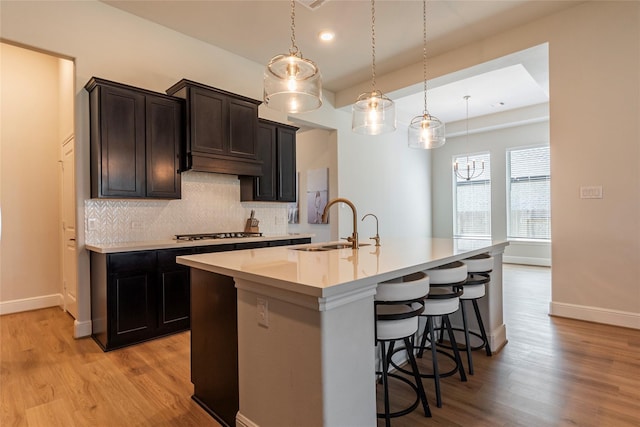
point(38, 256)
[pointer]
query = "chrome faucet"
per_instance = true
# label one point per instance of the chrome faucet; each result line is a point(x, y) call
point(354, 237)
point(377, 237)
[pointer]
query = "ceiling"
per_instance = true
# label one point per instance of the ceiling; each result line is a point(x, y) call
point(258, 30)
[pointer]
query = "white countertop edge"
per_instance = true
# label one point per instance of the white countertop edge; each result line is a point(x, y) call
point(338, 288)
point(108, 248)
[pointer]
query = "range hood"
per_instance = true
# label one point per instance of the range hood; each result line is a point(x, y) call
point(221, 130)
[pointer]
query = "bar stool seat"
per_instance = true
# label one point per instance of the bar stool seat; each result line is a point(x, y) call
point(398, 303)
point(444, 299)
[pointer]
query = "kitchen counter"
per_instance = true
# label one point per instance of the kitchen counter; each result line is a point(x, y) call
point(109, 248)
point(305, 325)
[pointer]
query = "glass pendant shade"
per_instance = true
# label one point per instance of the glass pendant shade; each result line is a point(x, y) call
point(292, 84)
point(373, 114)
point(426, 132)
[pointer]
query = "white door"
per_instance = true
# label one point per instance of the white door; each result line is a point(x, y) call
point(69, 253)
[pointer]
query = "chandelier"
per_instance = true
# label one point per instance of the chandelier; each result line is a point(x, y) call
point(469, 171)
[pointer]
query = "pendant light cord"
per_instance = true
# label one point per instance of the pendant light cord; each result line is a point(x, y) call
point(424, 52)
point(373, 45)
point(294, 49)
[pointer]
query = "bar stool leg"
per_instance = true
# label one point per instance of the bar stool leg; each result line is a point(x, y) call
point(416, 374)
point(487, 347)
point(454, 345)
point(434, 355)
point(385, 383)
point(467, 345)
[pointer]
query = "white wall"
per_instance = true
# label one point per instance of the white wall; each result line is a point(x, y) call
point(315, 149)
point(496, 142)
point(30, 180)
point(109, 43)
point(594, 75)
point(594, 70)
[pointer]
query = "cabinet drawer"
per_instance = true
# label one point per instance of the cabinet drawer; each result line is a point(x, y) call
point(168, 256)
point(131, 261)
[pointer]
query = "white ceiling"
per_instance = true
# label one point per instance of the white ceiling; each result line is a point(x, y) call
point(260, 29)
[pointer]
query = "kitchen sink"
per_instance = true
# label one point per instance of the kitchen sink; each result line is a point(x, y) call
point(312, 249)
point(343, 245)
point(328, 247)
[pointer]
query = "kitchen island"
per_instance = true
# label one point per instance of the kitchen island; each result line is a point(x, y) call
point(304, 326)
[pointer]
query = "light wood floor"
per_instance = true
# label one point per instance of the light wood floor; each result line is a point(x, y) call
point(553, 372)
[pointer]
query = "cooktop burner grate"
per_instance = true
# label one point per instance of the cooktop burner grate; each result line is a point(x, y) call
point(226, 235)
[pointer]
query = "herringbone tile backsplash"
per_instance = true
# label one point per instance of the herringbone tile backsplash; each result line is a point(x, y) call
point(210, 203)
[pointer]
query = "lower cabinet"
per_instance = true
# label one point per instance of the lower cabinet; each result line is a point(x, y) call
point(173, 292)
point(138, 296)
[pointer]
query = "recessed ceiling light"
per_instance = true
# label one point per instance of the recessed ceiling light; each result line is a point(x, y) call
point(326, 35)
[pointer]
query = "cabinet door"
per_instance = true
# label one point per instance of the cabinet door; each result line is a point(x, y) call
point(286, 162)
point(174, 293)
point(122, 143)
point(242, 128)
point(209, 121)
point(265, 185)
point(163, 131)
point(131, 297)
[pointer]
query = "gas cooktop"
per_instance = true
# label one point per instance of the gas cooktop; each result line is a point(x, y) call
point(225, 235)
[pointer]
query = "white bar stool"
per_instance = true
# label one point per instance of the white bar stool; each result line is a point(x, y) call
point(446, 283)
point(398, 303)
point(479, 268)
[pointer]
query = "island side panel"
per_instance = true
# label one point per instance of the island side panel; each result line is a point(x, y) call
point(214, 344)
point(492, 308)
point(312, 366)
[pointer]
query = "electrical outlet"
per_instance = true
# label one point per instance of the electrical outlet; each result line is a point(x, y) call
point(137, 225)
point(92, 224)
point(263, 312)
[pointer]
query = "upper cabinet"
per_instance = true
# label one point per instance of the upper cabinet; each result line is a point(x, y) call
point(135, 141)
point(221, 130)
point(277, 151)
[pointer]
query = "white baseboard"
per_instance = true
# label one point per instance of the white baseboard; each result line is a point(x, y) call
point(81, 329)
point(242, 421)
point(34, 303)
point(595, 314)
point(543, 262)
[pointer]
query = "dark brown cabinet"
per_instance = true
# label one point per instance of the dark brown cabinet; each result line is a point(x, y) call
point(277, 151)
point(221, 129)
point(138, 296)
point(135, 141)
point(123, 298)
point(173, 304)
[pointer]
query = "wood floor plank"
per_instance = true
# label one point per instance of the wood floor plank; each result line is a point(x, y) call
point(552, 372)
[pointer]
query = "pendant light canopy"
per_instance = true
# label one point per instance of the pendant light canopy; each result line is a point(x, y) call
point(291, 83)
point(373, 112)
point(425, 130)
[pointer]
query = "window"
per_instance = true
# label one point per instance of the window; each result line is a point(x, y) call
point(472, 199)
point(528, 193)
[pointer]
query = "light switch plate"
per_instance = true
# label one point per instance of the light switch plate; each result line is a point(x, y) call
point(591, 192)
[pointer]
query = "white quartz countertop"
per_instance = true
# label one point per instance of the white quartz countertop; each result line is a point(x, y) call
point(326, 273)
point(177, 244)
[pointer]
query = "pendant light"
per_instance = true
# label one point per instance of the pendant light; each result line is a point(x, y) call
point(373, 112)
point(470, 171)
point(425, 130)
point(291, 83)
